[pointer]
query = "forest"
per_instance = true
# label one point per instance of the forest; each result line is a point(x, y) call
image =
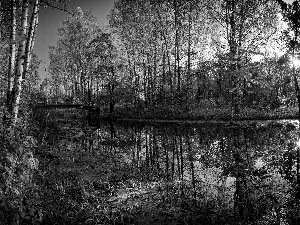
point(176, 112)
point(186, 59)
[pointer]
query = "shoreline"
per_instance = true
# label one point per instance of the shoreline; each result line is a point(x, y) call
point(192, 120)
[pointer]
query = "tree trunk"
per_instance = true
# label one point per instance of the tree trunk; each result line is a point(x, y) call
point(297, 90)
point(154, 75)
point(177, 59)
point(233, 45)
point(189, 78)
point(12, 57)
point(16, 91)
point(31, 36)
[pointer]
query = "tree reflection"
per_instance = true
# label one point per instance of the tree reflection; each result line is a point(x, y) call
point(244, 172)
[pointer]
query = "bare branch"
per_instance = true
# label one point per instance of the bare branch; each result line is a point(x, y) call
point(55, 7)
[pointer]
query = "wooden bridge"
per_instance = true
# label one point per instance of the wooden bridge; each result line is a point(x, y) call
point(69, 106)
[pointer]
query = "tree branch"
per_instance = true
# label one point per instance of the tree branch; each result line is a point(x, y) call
point(55, 7)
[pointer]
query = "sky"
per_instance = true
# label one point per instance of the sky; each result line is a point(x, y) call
point(51, 19)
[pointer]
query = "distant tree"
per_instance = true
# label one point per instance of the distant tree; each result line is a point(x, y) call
point(111, 67)
point(291, 13)
point(245, 34)
point(73, 63)
point(167, 43)
point(160, 53)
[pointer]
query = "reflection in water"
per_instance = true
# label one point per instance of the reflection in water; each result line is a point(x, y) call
point(245, 169)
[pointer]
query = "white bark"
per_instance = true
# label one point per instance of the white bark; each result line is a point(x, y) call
point(31, 36)
point(12, 50)
point(16, 92)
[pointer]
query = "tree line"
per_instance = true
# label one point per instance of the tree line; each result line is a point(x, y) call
point(179, 55)
point(158, 54)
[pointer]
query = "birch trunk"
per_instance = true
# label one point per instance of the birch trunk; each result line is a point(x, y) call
point(12, 57)
point(31, 36)
point(16, 91)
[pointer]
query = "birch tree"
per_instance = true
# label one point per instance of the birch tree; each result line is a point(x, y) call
point(23, 17)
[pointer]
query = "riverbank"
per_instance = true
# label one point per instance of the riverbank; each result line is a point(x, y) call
point(205, 115)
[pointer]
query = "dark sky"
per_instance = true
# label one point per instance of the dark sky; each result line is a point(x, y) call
point(51, 19)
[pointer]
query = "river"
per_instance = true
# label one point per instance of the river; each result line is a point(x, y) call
point(227, 171)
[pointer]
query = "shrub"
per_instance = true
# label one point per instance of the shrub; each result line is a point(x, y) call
point(17, 166)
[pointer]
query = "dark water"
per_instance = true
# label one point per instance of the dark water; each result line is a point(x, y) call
point(241, 170)
point(178, 151)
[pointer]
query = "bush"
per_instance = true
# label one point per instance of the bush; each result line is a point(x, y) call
point(18, 194)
